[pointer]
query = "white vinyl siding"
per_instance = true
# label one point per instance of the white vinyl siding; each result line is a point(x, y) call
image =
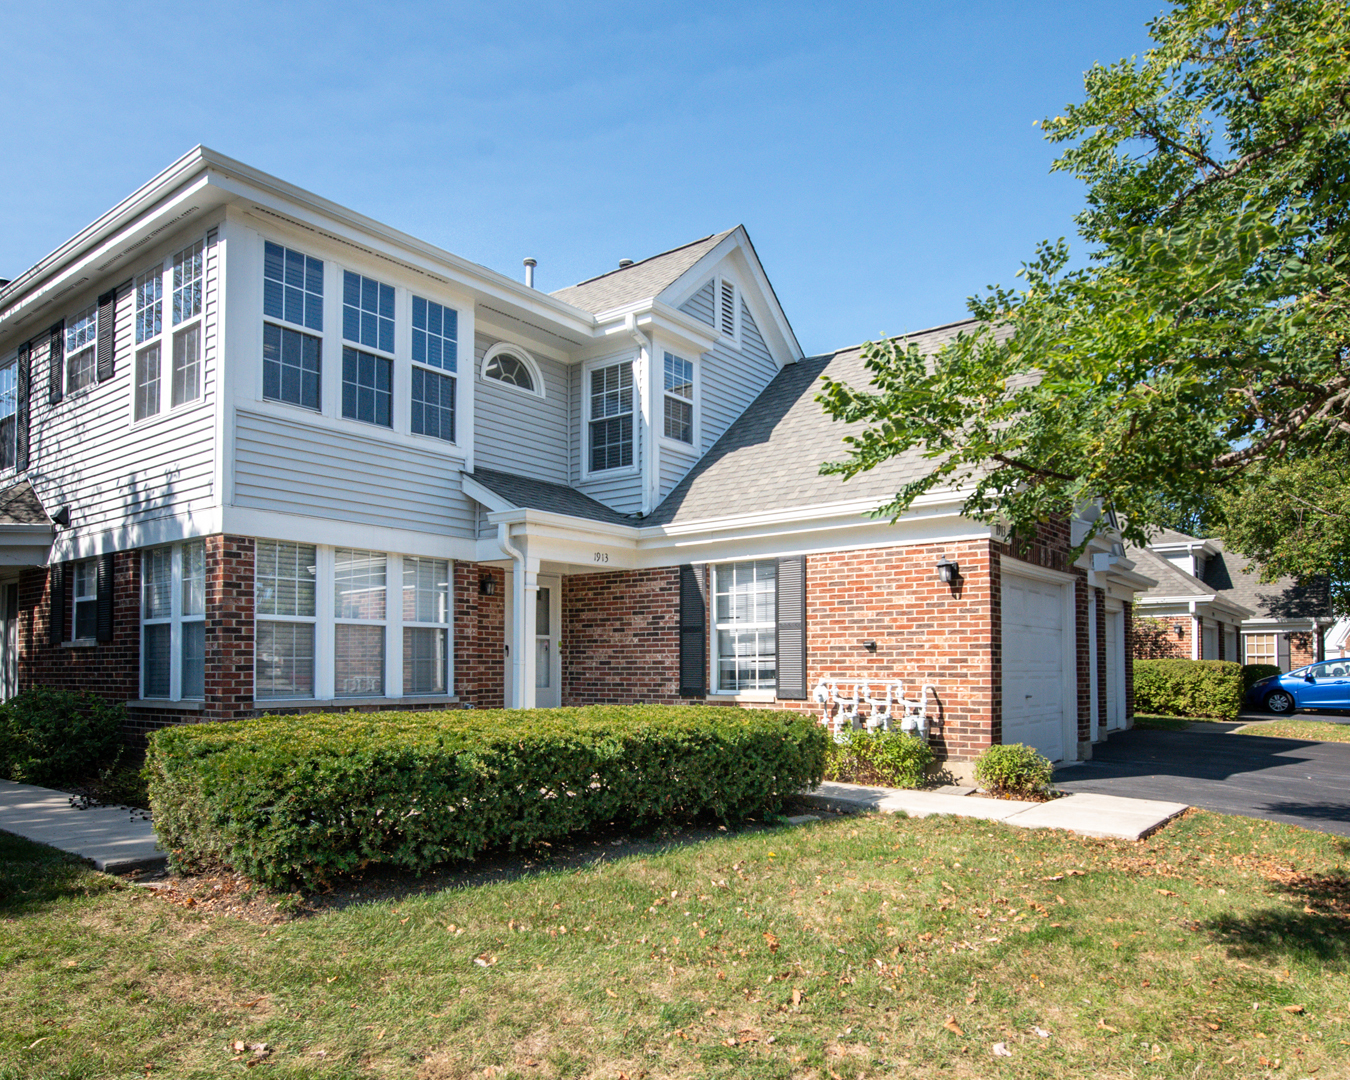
point(124, 474)
point(293, 467)
point(522, 433)
point(731, 380)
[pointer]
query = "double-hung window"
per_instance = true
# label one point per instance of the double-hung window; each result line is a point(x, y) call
point(358, 635)
point(292, 297)
point(426, 625)
point(679, 399)
point(80, 347)
point(177, 339)
point(611, 417)
point(367, 377)
point(284, 647)
point(9, 414)
point(84, 618)
point(745, 620)
point(173, 621)
point(435, 331)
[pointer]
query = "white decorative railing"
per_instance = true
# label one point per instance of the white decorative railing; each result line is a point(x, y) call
point(890, 709)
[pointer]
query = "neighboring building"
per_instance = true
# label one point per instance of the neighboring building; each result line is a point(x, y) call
point(264, 454)
point(1209, 604)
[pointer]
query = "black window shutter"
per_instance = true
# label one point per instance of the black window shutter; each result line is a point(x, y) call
point(56, 354)
point(21, 415)
point(107, 307)
point(791, 635)
point(693, 633)
point(104, 609)
point(56, 626)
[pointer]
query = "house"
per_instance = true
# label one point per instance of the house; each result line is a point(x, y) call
point(261, 453)
point(1209, 604)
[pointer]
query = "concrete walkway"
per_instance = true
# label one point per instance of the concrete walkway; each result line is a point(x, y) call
point(1107, 816)
point(116, 840)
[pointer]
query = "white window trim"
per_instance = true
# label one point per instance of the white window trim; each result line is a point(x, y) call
point(413, 365)
point(734, 338)
point(77, 597)
point(692, 447)
point(175, 619)
point(530, 363)
point(164, 339)
point(325, 620)
point(714, 684)
point(330, 388)
point(595, 365)
point(67, 355)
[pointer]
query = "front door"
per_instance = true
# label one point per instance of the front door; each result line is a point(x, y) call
point(547, 632)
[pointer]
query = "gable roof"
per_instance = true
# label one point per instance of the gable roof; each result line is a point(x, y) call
point(1284, 598)
point(770, 457)
point(1171, 579)
point(20, 505)
point(650, 277)
point(528, 494)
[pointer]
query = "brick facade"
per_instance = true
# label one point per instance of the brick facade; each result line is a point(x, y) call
point(480, 635)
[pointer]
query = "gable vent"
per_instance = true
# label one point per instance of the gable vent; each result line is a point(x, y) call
point(729, 308)
point(148, 237)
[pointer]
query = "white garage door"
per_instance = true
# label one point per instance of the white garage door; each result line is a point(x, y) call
point(1033, 664)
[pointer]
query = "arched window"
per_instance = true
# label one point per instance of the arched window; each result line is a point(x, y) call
point(513, 366)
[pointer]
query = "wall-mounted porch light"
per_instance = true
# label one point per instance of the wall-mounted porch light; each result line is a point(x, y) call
point(948, 571)
point(487, 586)
point(1178, 629)
point(870, 646)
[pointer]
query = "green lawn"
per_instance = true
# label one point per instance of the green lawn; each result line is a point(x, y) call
point(1318, 731)
point(874, 946)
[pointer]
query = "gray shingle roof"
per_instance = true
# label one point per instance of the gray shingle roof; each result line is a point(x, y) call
point(637, 282)
point(1171, 579)
point(1284, 598)
point(20, 505)
point(531, 494)
point(770, 457)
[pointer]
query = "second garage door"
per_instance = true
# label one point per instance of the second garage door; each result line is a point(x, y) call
point(1033, 664)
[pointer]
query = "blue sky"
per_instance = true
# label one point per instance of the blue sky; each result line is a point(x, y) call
point(882, 156)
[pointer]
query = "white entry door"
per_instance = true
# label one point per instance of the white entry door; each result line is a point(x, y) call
point(1115, 670)
point(1033, 664)
point(548, 632)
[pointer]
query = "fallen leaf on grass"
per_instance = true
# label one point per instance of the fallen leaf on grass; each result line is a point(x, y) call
point(1001, 1050)
point(610, 992)
point(1107, 1027)
point(771, 942)
point(951, 1025)
point(258, 1000)
point(1041, 1032)
point(1293, 1008)
point(1165, 892)
point(796, 996)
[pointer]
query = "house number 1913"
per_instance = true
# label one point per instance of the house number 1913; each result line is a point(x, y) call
point(602, 556)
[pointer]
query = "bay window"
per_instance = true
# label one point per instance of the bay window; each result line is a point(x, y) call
point(292, 293)
point(179, 338)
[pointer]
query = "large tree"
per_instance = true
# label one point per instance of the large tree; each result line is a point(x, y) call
point(1203, 354)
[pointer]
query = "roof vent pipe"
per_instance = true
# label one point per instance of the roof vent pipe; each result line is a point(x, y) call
point(530, 264)
point(624, 264)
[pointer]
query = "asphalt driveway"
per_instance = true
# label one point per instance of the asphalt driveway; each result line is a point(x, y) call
point(1290, 780)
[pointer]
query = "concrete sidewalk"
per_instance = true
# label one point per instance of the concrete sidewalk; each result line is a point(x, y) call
point(1106, 816)
point(116, 840)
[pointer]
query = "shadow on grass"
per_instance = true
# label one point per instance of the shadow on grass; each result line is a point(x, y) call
point(1282, 932)
point(34, 875)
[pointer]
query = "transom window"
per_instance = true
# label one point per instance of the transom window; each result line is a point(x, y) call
point(173, 621)
point(435, 330)
point(507, 367)
point(184, 274)
point(679, 399)
point(745, 603)
point(367, 312)
point(611, 417)
point(80, 346)
point(367, 387)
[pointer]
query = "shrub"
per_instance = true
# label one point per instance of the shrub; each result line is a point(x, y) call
point(1014, 769)
point(300, 799)
point(889, 758)
point(1254, 673)
point(1188, 688)
point(58, 736)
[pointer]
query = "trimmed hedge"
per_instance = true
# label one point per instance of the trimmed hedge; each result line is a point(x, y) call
point(890, 758)
point(297, 800)
point(1254, 673)
point(1188, 688)
point(1013, 769)
point(58, 736)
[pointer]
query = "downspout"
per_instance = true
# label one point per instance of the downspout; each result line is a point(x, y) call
point(517, 613)
point(647, 429)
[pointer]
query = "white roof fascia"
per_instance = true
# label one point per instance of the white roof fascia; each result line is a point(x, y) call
point(777, 330)
point(655, 315)
point(484, 495)
point(1198, 601)
point(1205, 547)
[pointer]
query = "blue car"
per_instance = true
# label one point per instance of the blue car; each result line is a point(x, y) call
point(1324, 685)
